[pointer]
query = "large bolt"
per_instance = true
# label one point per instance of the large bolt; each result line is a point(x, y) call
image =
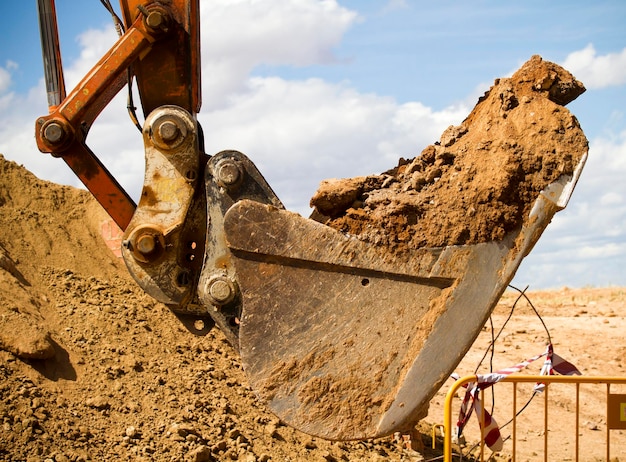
point(54, 132)
point(146, 244)
point(155, 20)
point(220, 289)
point(168, 131)
point(229, 173)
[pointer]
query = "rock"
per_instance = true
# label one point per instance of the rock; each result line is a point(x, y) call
point(334, 195)
point(23, 336)
point(200, 454)
point(271, 430)
point(98, 402)
point(22, 329)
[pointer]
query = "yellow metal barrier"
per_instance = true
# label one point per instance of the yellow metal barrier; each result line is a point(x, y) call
point(615, 408)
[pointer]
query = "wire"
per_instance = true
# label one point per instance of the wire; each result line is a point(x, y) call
point(491, 348)
point(130, 104)
point(523, 294)
point(119, 26)
point(494, 339)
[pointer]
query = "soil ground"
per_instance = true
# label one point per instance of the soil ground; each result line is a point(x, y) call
point(93, 369)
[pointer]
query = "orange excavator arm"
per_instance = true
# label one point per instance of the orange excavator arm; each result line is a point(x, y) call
point(161, 45)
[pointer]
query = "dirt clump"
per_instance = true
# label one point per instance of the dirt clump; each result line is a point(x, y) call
point(479, 181)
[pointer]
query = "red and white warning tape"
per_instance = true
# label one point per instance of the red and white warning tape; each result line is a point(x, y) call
point(492, 437)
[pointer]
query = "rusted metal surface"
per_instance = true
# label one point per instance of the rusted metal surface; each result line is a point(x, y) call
point(76, 113)
point(164, 243)
point(344, 344)
point(171, 73)
point(161, 42)
point(102, 185)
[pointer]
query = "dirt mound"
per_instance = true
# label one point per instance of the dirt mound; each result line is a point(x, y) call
point(91, 368)
point(479, 181)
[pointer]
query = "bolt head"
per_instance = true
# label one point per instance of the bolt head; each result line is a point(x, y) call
point(54, 133)
point(229, 173)
point(168, 131)
point(155, 20)
point(146, 244)
point(220, 289)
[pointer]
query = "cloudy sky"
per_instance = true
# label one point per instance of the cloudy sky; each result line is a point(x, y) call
point(315, 89)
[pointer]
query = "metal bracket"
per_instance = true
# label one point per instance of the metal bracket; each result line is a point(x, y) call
point(164, 242)
point(229, 177)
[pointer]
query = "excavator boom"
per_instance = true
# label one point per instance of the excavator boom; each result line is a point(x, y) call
point(342, 338)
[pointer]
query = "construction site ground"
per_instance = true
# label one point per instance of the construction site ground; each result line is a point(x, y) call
point(91, 368)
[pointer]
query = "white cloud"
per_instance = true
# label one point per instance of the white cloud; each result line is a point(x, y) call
point(300, 132)
point(273, 32)
point(611, 198)
point(597, 71)
point(5, 80)
point(93, 43)
point(239, 35)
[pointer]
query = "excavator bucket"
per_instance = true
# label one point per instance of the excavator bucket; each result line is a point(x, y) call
point(347, 325)
point(344, 334)
point(344, 342)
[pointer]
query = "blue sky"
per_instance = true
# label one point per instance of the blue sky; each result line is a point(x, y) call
point(315, 89)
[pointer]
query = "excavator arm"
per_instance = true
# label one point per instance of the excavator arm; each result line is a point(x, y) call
point(340, 338)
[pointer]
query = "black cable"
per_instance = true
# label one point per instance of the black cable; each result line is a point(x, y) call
point(130, 105)
point(491, 347)
point(536, 312)
point(119, 27)
point(493, 341)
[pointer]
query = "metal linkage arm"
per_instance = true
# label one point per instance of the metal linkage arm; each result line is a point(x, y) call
point(63, 132)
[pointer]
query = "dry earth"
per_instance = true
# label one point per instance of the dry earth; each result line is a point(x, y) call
point(93, 369)
point(479, 181)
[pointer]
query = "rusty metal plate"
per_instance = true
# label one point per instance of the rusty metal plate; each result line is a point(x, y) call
point(331, 329)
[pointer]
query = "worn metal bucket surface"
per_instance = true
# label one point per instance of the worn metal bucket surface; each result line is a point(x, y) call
point(344, 341)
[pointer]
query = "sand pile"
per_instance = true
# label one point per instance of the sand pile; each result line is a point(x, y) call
point(91, 368)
